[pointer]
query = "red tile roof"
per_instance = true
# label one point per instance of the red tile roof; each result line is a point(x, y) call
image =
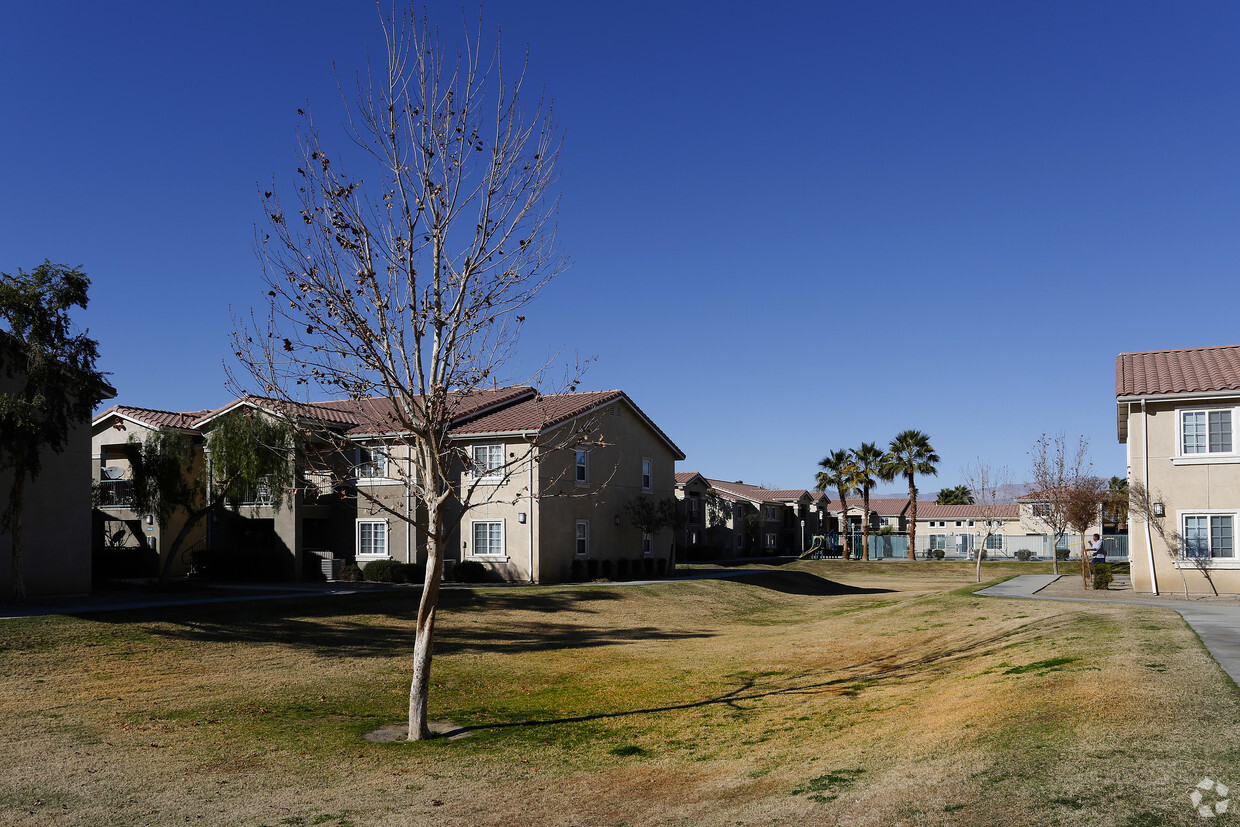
point(153, 417)
point(934, 511)
point(756, 493)
point(1195, 370)
point(540, 413)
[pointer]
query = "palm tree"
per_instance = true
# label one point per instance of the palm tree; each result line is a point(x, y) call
point(838, 469)
point(1117, 501)
point(956, 495)
point(870, 463)
point(911, 453)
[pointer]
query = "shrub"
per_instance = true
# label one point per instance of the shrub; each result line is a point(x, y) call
point(1061, 554)
point(469, 571)
point(576, 570)
point(350, 574)
point(592, 569)
point(384, 571)
point(660, 566)
point(1102, 575)
point(622, 568)
point(1024, 554)
point(605, 569)
point(648, 567)
point(938, 554)
point(413, 572)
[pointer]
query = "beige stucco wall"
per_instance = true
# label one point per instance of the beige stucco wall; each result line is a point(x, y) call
point(1182, 485)
point(544, 546)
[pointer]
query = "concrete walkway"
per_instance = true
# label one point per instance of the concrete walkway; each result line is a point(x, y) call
point(1218, 625)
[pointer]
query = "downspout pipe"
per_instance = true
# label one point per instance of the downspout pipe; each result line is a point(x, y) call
point(1149, 540)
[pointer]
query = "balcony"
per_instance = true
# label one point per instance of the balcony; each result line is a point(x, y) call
point(115, 493)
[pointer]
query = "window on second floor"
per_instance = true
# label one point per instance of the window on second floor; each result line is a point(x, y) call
point(647, 474)
point(582, 463)
point(488, 461)
point(372, 463)
point(1205, 432)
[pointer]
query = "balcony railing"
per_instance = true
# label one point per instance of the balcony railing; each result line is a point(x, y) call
point(115, 493)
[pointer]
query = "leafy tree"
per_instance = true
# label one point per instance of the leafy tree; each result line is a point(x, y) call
point(407, 277)
point(651, 515)
point(910, 453)
point(839, 470)
point(57, 383)
point(956, 495)
point(871, 464)
point(248, 450)
point(1116, 506)
point(1083, 503)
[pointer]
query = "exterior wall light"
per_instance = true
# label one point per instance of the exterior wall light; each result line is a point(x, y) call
point(521, 517)
point(1159, 511)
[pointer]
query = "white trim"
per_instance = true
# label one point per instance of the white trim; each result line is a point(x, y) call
point(357, 539)
point(495, 474)
point(1232, 562)
point(577, 554)
point(503, 540)
point(1179, 457)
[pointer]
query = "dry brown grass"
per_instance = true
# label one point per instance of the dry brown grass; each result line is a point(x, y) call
point(776, 699)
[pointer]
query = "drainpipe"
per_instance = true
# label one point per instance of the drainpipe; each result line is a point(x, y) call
point(408, 516)
point(1149, 540)
point(529, 516)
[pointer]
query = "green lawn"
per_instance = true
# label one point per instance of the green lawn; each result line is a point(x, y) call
point(828, 692)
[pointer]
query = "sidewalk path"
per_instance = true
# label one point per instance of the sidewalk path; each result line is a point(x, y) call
point(1216, 623)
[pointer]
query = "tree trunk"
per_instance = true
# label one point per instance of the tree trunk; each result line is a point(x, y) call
point(17, 498)
point(844, 532)
point(190, 522)
point(912, 524)
point(419, 688)
point(865, 525)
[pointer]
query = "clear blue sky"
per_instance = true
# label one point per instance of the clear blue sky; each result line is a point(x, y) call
point(795, 226)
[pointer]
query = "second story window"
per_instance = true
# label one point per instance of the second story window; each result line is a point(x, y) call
point(1205, 432)
point(488, 462)
point(647, 474)
point(583, 466)
point(372, 463)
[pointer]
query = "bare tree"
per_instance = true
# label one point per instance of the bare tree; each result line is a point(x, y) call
point(985, 484)
point(1084, 499)
point(406, 279)
point(1057, 467)
point(1142, 503)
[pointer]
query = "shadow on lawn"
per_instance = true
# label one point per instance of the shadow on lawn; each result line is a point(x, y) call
point(329, 628)
point(801, 582)
point(914, 662)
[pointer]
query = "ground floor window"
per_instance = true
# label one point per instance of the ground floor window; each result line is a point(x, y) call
point(583, 538)
point(372, 538)
point(771, 541)
point(1209, 535)
point(488, 538)
point(994, 542)
point(938, 541)
point(648, 543)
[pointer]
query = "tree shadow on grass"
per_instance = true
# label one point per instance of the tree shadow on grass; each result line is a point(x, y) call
point(911, 663)
point(801, 582)
point(331, 628)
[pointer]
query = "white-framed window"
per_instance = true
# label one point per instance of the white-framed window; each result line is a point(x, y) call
point(648, 543)
point(581, 466)
point(647, 473)
point(959, 523)
point(488, 538)
point(970, 523)
point(1206, 434)
point(372, 538)
point(1041, 510)
point(771, 539)
point(583, 538)
point(488, 461)
point(770, 513)
point(1209, 535)
point(372, 463)
point(994, 542)
point(938, 541)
